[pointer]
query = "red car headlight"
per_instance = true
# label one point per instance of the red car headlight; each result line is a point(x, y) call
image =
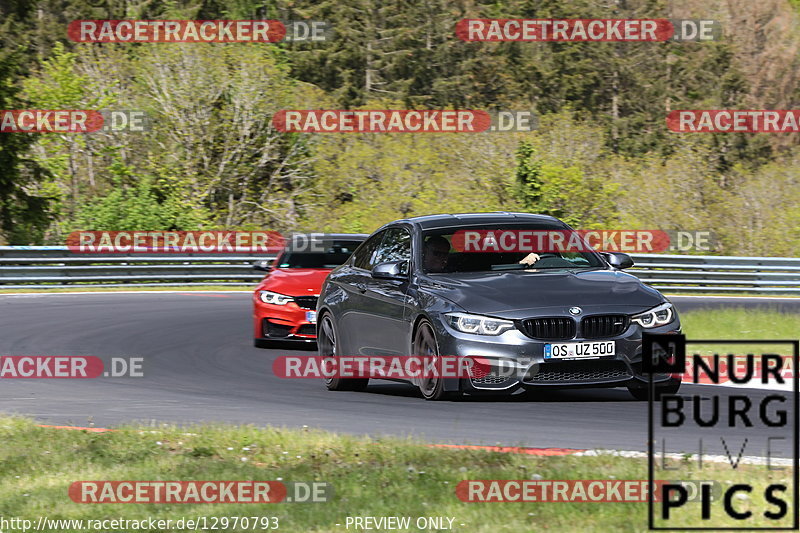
point(269, 297)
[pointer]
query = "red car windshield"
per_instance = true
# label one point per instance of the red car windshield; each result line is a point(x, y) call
point(332, 257)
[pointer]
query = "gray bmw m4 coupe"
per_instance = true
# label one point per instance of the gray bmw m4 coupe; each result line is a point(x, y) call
point(556, 317)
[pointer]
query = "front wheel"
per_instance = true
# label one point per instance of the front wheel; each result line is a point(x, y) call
point(641, 393)
point(326, 347)
point(432, 388)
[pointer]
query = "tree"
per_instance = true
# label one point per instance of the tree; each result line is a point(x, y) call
point(68, 157)
point(528, 177)
point(137, 205)
point(23, 215)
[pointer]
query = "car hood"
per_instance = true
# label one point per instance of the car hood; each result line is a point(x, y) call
point(519, 294)
point(295, 281)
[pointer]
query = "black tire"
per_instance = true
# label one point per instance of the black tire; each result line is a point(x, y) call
point(424, 344)
point(641, 393)
point(326, 347)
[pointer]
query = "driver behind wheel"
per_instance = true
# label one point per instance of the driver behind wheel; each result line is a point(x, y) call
point(435, 254)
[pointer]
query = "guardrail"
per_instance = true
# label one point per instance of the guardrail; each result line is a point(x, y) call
point(718, 274)
point(41, 267)
point(45, 267)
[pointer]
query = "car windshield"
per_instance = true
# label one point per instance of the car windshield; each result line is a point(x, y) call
point(524, 247)
point(334, 255)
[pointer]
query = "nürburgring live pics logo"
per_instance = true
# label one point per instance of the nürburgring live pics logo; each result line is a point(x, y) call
point(752, 431)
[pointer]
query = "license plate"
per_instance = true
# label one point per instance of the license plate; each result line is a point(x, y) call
point(311, 316)
point(578, 350)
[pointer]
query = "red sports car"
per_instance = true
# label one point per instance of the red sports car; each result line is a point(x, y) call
point(285, 302)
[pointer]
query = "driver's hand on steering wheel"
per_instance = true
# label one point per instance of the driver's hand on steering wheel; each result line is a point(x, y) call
point(529, 259)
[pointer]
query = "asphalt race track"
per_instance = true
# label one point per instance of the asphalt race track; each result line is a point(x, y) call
point(200, 365)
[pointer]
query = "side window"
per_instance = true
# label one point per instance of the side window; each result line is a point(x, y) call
point(396, 246)
point(363, 257)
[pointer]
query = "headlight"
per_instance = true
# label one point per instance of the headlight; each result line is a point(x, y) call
point(478, 325)
point(657, 316)
point(269, 297)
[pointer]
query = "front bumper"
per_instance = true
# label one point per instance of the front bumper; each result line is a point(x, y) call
point(513, 360)
point(288, 322)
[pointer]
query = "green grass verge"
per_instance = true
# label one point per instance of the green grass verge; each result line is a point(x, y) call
point(740, 323)
point(385, 477)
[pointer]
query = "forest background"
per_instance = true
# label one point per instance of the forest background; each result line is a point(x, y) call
point(601, 157)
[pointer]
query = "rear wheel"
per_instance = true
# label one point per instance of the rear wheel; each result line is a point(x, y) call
point(432, 388)
point(326, 347)
point(641, 392)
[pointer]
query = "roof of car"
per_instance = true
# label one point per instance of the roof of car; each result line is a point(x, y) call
point(461, 219)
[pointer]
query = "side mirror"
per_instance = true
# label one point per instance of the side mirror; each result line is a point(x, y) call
point(263, 265)
point(391, 270)
point(618, 259)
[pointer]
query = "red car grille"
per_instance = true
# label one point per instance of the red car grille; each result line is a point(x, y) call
point(306, 302)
